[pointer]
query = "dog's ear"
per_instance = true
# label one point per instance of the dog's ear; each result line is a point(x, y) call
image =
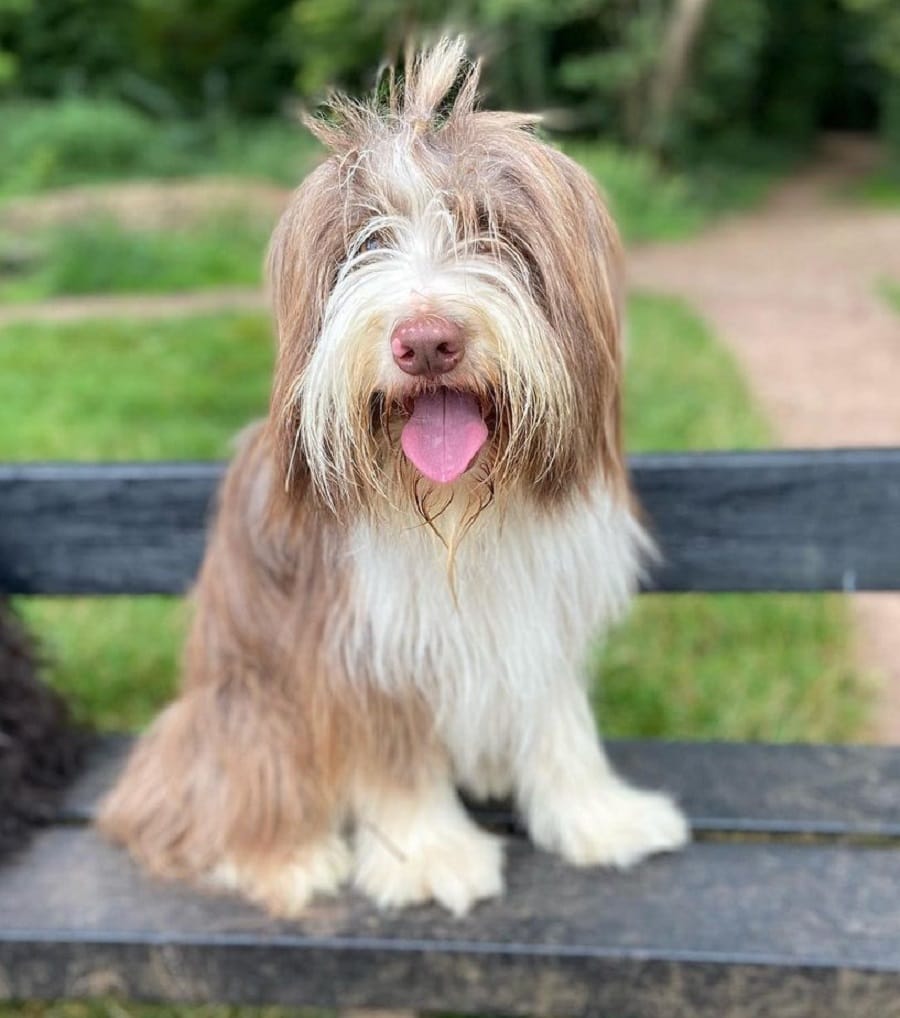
point(586, 301)
point(305, 252)
point(560, 224)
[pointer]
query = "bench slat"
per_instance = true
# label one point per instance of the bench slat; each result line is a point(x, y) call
point(824, 520)
point(722, 929)
point(725, 787)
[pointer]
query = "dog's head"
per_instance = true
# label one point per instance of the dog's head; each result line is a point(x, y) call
point(446, 293)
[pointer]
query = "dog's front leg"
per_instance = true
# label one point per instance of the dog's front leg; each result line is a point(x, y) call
point(416, 843)
point(574, 802)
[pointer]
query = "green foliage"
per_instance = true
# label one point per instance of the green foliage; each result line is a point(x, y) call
point(176, 59)
point(880, 20)
point(724, 666)
point(647, 203)
point(890, 125)
point(69, 141)
point(75, 140)
point(760, 68)
point(99, 256)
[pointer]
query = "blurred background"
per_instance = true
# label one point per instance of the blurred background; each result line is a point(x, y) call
point(750, 150)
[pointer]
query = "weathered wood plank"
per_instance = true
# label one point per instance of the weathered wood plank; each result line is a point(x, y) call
point(108, 529)
point(724, 787)
point(718, 930)
point(806, 520)
point(752, 521)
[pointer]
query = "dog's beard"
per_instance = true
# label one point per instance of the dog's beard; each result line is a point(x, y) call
point(349, 406)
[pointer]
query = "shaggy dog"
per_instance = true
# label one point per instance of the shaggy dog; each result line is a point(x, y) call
point(40, 749)
point(413, 551)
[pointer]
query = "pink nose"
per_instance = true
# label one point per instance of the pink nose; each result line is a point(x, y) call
point(427, 346)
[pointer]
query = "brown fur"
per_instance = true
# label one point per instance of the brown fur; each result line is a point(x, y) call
point(262, 750)
point(259, 754)
point(514, 194)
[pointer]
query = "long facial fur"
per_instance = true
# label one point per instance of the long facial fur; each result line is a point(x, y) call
point(328, 667)
point(478, 221)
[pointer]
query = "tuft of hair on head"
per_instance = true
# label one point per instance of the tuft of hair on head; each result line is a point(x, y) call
point(437, 89)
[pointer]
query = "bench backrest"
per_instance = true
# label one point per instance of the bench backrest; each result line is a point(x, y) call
point(778, 521)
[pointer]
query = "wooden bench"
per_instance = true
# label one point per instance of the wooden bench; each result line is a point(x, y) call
point(788, 902)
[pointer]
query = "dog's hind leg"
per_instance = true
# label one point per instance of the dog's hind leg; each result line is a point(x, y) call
point(229, 789)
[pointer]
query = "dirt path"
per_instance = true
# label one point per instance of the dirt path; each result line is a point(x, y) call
point(792, 290)
point(163, 305)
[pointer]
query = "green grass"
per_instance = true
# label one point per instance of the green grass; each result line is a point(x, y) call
point(119, 390)
point(891, 292)
point(651, 203)
point(881, 188)
point(725, 666)
point(99, 256)
point(769, 667)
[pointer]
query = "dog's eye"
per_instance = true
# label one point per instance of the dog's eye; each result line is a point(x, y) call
point(373, 242)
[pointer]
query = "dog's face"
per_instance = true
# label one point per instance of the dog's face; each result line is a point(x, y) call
point(445, 288)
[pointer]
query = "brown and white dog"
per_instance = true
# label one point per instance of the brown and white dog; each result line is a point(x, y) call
point(413, 552)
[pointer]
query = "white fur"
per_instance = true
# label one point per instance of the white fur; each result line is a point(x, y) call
point(577, 806)
point(412, 848)
point(424, 268)
point(320, 868)
point(530, 592)
point(491, 630)
point(501, 664)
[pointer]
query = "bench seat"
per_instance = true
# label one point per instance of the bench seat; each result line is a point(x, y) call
point(789, 902)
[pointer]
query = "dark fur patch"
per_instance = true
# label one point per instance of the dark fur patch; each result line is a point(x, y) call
point(40, 748)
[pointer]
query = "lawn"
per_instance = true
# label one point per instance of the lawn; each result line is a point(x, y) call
point(96, 256)
point(725, 666)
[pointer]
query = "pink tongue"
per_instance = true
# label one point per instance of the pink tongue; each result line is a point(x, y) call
point(444, 434)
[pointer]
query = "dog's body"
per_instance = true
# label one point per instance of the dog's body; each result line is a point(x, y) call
point(413, 552)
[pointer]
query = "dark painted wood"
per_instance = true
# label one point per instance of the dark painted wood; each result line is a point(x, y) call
point(718, 930)
point(109, 529)
point(750, 521)
point(775, 520)
point(724, 787)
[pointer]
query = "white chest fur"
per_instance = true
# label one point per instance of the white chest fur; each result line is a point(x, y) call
point(530, 591)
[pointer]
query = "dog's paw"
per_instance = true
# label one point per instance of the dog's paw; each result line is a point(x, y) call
point(285, 889)
point(490, 778)
point(455, 866)
point(614, 826)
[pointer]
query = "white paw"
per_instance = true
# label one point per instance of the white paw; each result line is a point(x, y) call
point(615, 825)
point(285, 889)
point(454, 865)
point(490, 778)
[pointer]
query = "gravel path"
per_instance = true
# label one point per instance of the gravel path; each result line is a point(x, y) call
point(793, 290)
point(163, 305)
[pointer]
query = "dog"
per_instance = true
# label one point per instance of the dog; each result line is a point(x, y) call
point(414, 550)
